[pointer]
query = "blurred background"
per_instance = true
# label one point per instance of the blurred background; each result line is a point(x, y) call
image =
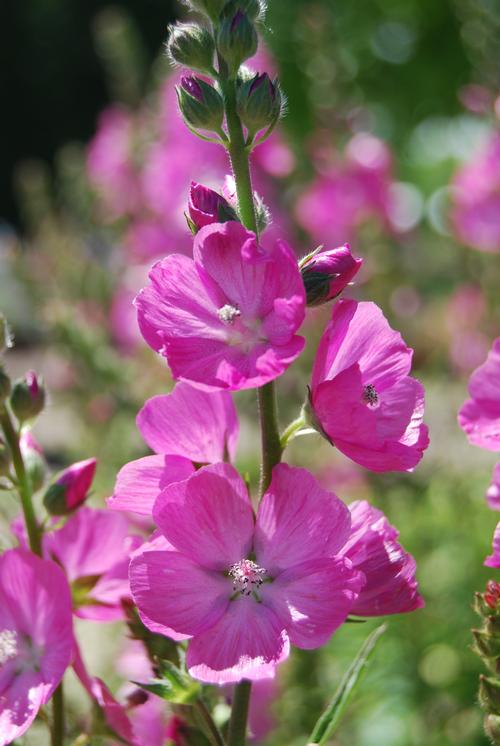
point(391, 143)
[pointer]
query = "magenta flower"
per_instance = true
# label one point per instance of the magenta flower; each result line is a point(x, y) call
point(493, 491)
point(207, 206)
point(36, 638)
point(228, 319)
point(494, 559)
point(327, 273)
point(373, 548)
point(71, 487)
point(479, 417)
point(205, 431)
point(244, 590)
point(362, 398)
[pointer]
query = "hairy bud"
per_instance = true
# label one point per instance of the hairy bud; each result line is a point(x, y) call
point(254, 9)
point(28, 397)
point(34, 461)
point(259, 102)
point(192, 46)
point(236, 40)
point(210, 8)
point(71, 488)
point(201, 105)
point(327, 273)
point(207, 206)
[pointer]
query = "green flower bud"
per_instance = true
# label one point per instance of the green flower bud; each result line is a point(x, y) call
point(28, 397)
point(34, 460)
point(201, 105)
point(259, 102)
point(236, 40)
point(191, 46)
point(4, 459)
point(489, 694)
point(254, 9)
point(5, 385)
point(210, 8)
point(492, 728)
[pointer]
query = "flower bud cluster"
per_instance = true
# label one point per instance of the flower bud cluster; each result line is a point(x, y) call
point(487, 646)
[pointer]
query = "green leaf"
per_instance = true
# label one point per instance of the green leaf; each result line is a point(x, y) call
point(330, 719)
point(174, 685)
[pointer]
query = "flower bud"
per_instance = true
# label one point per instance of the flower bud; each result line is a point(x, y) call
point(5, 335)
point(259, 102)
point(489, 694)
point(207, 206)
point(4, 458)
point(28, 397)
point(254, 9)
point(326, 273)
point(5, 385)
point(492, 728)
point(201, 105)
point(236, 40)
point(34, 461)
point(192, 46)
point(210, 8)
point(71, 488)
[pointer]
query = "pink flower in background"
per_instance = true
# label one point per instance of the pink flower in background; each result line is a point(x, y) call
point(476, 199)
point(36, 638)
point(362, 398)
point(493, 491)
point(494, 559)
point(71, 487)
point(465, 311)
point(479, 417)
point(227, 319)
point(185, 426)
point(244, 591)
point(327, 272)
point(373, 548)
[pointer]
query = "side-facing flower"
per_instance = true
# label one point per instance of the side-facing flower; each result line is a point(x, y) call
point(36, 638)
point(188, 425)
point(243, 590)
point(71, 487)
point(226, 320)
point(373, 548)
point(493, 491)
point(207, 206)
point(362, 398)
point(327, 273)
point(494, 559)
point(479, 417)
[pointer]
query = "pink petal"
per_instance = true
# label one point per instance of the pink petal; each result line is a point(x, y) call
point(493, 491)
point(313, 599)
point(174, 591)
point(298, 521)
point(494, 559)
point(247, 643)
point(208, 517)
point(197, 425)
point(19, 704)
point(479, 417)
point(139, 482)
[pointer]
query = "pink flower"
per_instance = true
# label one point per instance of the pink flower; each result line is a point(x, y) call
point(227, 319)
point(244, 590)
point(207, 206)
point(479, 417)
point(476, 197)
point(36, 638)
point(373, 548)
point(71, 487)
point(362, 398)
point(185, 426)
point(493, 491)
point(494, 559)
point(327, 273)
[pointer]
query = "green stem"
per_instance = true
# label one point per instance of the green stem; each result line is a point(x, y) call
point(239, 713)
point(57, 731)
point(214, 735)
point(270, 435)
point(291, 431)
point(23, 481)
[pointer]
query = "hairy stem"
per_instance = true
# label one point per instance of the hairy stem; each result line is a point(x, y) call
point(239, 713)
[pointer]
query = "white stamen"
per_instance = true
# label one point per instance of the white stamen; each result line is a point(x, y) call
point(228, 313)
point(247, 576)
point(8, 645)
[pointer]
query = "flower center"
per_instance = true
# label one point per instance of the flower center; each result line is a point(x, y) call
point(247, 576)
point(227, 314)
point(370, 395)
point(8, 645)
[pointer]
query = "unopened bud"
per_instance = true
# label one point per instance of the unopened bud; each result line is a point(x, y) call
point(207, 206)
point(326, 273)
point(5, 385)
point(192, 46)
point(489, 694)
point(34, 461)
point(4, 458)
point(211, 8)
point(28, 397)
point(71, 488)
point(254, 9)
point(236, 40)
point(259, 102)
point(491, 596)
point(5, 335)
point(201, 105)
point(492, 728)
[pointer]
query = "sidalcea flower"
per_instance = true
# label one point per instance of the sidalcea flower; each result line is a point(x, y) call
point(493, 491)
point(494, 559)
point(479, 417)
point(28, 397)
point(244, 589)
point(327, 273)
point(36, 638)
point(185, 426)
point(71, 488)
point(226, 319)
point(207, 206)
point(362, 398)
point(373, 548)
point(33, 457)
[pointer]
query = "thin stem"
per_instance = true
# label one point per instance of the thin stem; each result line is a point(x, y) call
point(239, 713)
point(57, 731)
point(290, 432)
point(214, 734)
point(23, 485)
point(270, 435)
